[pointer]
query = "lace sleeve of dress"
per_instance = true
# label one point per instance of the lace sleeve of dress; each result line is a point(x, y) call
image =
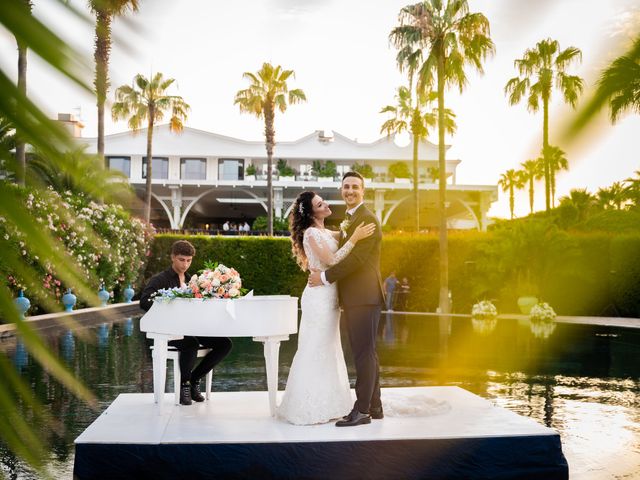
point(314, 240)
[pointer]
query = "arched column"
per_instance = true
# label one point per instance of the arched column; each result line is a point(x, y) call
point(473, 214)
point(393, 207)
point(167, 210)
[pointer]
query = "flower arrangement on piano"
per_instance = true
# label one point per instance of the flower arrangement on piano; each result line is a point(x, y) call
point(214, 281)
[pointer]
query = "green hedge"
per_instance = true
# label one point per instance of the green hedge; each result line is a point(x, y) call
point(583, 274)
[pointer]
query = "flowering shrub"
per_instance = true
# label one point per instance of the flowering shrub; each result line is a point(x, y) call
point(542, 312)
point(104, 241)
point(484, 309)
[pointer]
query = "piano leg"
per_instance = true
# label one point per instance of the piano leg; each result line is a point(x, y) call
point(271, 355)
point(159, 355)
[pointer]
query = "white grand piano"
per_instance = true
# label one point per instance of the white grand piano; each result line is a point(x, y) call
point(269, 319)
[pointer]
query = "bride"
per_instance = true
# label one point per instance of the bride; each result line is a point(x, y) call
point(318, 385)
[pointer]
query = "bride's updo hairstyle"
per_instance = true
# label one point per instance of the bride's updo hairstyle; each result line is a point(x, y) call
point(300, 218)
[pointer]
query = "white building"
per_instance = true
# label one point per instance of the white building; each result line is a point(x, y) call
point(200, 179)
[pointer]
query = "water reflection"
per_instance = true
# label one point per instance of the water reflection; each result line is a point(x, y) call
point(542, 329)
point(20, 356)
point(127, 327)
point(68, 346)
point(484, 326)
point(572, 379)
point(103, 334)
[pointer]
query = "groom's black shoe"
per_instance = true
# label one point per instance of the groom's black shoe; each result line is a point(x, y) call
point(376, 413)
point(354, 418)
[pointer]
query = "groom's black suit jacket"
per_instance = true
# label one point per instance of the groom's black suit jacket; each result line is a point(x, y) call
point(358, 275)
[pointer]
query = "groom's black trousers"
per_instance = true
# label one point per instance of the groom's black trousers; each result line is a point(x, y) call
point(362, 325)
point(188, 348)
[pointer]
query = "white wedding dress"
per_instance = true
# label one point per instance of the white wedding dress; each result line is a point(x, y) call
point(318, 388)
point(318, 385)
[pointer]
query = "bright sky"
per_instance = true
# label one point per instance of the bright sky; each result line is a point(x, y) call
point(340, 53)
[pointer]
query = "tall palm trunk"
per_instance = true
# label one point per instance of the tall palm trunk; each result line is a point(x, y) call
point(553, 187)
point(21, 156)
point(101, 56)
point(531, 193)
point(545, 152)
point(147, 191)
point(21, 153)
point(416, 194)
point(442, 193)
point(511, 200)
point(269, 134)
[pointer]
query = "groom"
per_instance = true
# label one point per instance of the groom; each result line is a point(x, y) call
point(361, 297)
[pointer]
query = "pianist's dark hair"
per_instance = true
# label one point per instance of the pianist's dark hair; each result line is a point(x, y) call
point(183, 247)
point(300, 218)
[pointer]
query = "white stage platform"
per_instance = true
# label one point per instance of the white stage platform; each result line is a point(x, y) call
point(233, 436)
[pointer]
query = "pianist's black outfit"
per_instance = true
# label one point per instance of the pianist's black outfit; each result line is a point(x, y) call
point(188, 346)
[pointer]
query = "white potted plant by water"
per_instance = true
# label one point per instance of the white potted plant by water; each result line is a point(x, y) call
point(484, 317)
point(543, 320)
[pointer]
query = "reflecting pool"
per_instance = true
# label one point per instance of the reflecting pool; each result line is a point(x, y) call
point(583, 381)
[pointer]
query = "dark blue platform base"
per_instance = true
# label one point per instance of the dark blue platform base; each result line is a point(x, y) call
point(487, 458)
point(233, 436)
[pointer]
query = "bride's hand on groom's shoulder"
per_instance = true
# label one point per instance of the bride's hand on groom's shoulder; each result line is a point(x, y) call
point(362, 231)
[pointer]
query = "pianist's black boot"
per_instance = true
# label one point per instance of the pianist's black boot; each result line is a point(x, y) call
point(185, 394)
point(196, 394)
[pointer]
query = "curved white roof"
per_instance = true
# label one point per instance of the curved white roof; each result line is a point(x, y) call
point(194, 142)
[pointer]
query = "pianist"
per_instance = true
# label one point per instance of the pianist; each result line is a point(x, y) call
point(176, 275)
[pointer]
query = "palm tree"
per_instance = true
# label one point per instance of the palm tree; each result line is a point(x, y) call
point(268, 91)
point(146, 99)
point(437, 40)
point(632, 189)
point(21, 154)
point(105, 11)
point(416, 120)
point(510, 181)
point(618, 86)
point(557, 161)
point(532, 170)
point(545, 65)
point(612, 197)
point(581, 200)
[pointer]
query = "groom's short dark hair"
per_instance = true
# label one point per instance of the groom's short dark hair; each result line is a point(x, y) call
point(353, 174)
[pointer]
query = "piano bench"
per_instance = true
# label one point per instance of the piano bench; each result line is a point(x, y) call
point(172, 354)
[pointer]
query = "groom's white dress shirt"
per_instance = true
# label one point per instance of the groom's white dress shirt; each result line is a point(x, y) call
point(349, 212)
